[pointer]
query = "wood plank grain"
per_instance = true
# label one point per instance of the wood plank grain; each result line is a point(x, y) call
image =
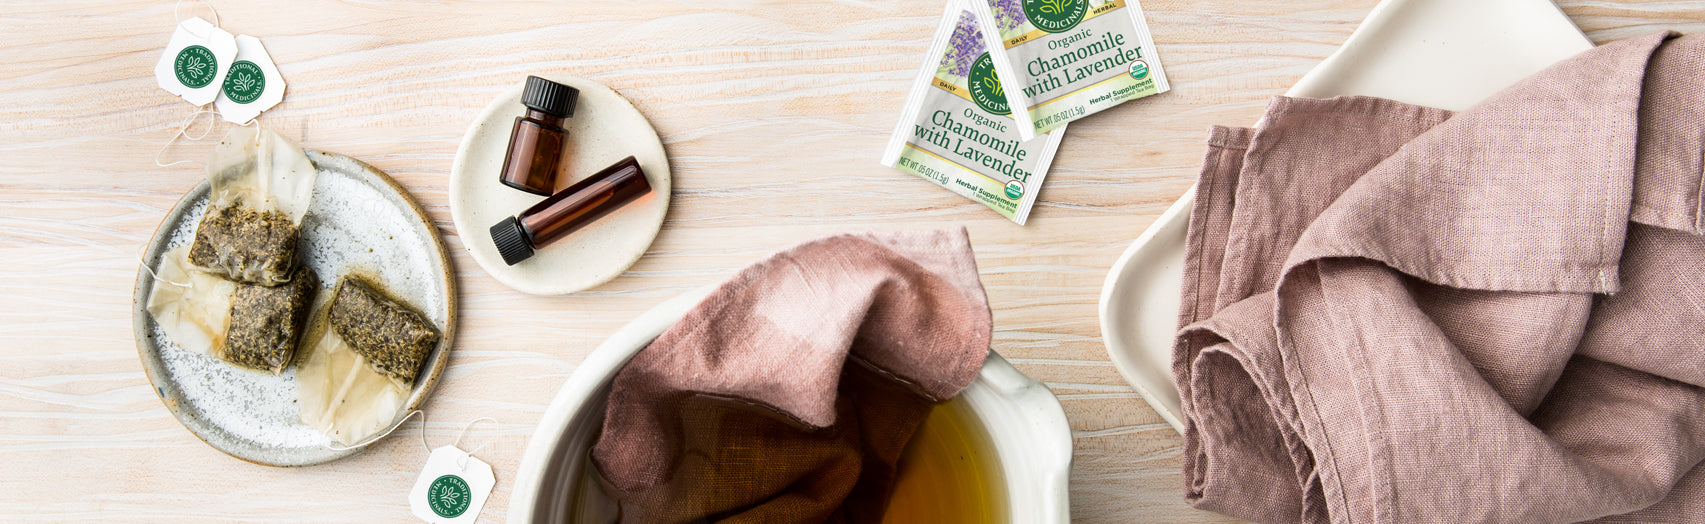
point(773, 114)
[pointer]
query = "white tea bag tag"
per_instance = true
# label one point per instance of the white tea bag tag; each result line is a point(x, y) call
point(452, 488)
point(195, 61)
point(253, 84)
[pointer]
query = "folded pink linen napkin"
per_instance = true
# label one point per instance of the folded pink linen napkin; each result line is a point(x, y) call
point(788, 394)
point(1394, 313)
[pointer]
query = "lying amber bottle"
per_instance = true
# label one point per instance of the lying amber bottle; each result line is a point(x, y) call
point(568, 210)
point(536, 143)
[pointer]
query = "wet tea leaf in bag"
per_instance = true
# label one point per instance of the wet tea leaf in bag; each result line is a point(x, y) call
point(339, 393)
point(244, 324)
point(393, 338)
point(267, 321)
point(262, 184)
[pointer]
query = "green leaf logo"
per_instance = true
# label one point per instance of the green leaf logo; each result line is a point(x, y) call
point(1054, 16)
point(195, 66)
point(985, 87)
point(449, 496)
point(245, 82)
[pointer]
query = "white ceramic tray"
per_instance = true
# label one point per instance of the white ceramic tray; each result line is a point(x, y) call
point(1441, 53)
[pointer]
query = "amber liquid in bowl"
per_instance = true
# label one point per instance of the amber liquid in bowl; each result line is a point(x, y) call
point(948, 474)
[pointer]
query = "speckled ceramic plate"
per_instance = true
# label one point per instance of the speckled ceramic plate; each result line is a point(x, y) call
point(605, 128)
point(361, 220)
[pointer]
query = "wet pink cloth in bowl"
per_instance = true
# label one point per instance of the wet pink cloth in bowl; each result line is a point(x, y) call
point(1394, 313)
point(788, 394)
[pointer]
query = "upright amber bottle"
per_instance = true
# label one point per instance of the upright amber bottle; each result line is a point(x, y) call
point(535, 145)
point(568, 210)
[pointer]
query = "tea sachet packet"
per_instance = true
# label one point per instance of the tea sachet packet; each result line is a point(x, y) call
point(262, 184)
point(367, 351)
point(1061, 60)
point(248, 325)
point(956, 129)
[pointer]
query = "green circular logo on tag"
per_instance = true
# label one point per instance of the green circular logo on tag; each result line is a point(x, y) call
point(986, 87)
point(195, 66)
point(1014, 190)
point(449, 496)
point(1139, 70)
point(1053, 16)
point(245, 82)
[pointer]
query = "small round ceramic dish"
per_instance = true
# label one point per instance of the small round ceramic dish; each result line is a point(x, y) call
point(1025, 424)
point(359, 219)
point(605, 128)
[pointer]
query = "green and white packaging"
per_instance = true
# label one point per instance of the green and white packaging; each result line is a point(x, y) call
point(195, 61)
point(1061, 60)
point(969, 145)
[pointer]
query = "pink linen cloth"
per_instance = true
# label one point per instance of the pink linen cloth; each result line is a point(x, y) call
point(788, 394)
point(1393, 313)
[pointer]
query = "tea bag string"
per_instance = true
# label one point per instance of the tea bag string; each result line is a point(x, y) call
point(183, 131)
point(176, 18)
point(463, 462)
point(150, 270)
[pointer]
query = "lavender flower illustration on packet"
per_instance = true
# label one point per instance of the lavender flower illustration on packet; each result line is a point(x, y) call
point(1009, 15)
point(963, 48)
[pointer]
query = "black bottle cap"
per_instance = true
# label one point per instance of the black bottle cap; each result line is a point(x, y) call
point(550, 97)
point(511, 241)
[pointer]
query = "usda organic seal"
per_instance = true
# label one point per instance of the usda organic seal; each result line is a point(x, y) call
point(1014, 190)
point(1139, 69)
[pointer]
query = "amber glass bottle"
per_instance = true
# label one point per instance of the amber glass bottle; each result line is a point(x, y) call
point(568, 210)
point(535, 145)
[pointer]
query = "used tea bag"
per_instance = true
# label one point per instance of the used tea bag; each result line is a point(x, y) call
point(244, 324)
point(393, 338)
point(267, 321)
point(192, 307)
point(262, 183)
point(339, 393)
point(962, 136)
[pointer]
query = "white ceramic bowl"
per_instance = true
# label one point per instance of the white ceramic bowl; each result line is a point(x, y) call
point(1027, 427)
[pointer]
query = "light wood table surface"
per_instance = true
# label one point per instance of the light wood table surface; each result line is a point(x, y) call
point(774, 114)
